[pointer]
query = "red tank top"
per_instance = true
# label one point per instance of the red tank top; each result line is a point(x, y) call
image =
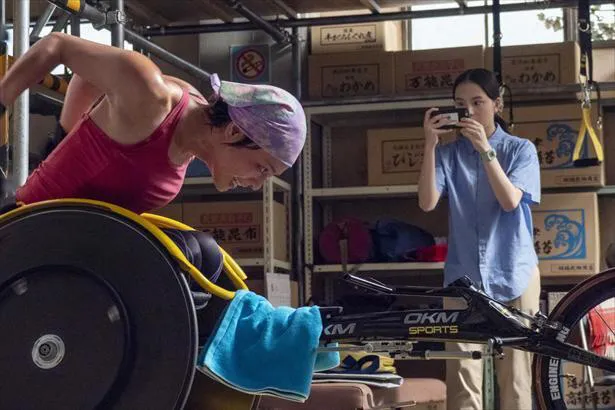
point(88, 164)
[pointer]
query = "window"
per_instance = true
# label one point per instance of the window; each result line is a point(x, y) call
point(88, 32)
point(603, 22)
point(469, 30)
point(444, 32)
point(525, 27)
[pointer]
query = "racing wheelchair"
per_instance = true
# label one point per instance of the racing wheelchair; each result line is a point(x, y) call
point(96, 313)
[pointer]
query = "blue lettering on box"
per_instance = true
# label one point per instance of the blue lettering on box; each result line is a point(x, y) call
point(556, 148)
point(562, 235)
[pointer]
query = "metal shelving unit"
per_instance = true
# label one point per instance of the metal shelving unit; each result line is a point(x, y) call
point(379, 111)
point(258, 262)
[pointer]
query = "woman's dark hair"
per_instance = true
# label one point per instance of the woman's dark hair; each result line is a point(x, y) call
point(218, 114)
point(486, 80)
point(219, 117)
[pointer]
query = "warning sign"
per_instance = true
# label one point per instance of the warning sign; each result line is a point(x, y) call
point(250, 64)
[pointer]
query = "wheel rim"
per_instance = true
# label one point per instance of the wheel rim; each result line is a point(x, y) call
point(557, 381)
point(99, 273)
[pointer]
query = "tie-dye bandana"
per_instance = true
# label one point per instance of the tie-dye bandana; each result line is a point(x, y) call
point(268, 115)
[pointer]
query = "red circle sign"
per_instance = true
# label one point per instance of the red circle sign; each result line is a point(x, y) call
point(250, 64)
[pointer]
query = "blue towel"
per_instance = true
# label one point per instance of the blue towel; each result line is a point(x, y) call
point(259, 349)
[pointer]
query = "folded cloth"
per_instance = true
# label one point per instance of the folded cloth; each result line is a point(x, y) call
point(259, 349)
point(385, 380)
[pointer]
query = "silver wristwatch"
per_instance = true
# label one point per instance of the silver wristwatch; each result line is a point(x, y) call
point(488, 155)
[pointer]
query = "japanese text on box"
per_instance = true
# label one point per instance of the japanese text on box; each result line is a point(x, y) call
point(402, 155)
point(351, 80)
point(348, 35)
point(250, 233)
point(433, 74)
point(530, 70)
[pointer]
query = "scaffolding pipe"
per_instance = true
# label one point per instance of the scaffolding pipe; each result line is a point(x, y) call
point(42, 21)
point(170, 58)
point(75, 26)
point(354, 19)
point(3, 25)
point(61, 22)
point(117, 28)
point(497, 40)
point(81, 8)
point(4, 119)
point(99, 19)
point(21, 107)
point(297, 186)
point(278, 35)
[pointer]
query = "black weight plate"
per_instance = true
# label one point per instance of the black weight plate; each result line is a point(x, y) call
point(126, 259)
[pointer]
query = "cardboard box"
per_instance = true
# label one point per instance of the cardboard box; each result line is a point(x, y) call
point(538, 64)
point(436, 69)
point(238, 226)
point(394, 155)
point(258, 286)
point(376, 36)
point(566, 234)
point(604, 62)
point(554, 130)
point(358, 74)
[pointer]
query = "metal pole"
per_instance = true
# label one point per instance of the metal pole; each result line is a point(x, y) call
point(99, 19)
point(170, 58)
point(117, 29)
point(277, 34)
point(3, 23)
point(42, 21)
point(61, 21)
point(4, 119)
point(81, 8)
point(75, 26)
point(21, 108)
point(297, 186)
point(497, 38)
point(363, 18)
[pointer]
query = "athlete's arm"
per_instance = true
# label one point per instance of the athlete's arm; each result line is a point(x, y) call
point(130, 80)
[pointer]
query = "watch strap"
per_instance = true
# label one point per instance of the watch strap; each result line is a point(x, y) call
point(488, 155)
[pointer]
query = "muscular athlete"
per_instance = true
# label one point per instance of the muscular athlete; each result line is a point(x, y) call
point(131, 131)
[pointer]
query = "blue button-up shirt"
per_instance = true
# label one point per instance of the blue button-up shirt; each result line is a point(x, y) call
point(493, 247)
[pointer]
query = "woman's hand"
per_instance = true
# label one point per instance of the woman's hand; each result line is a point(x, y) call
point(475, 132)
point(431, 127)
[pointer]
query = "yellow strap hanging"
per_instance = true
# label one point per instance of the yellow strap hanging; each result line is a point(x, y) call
point(587, 127)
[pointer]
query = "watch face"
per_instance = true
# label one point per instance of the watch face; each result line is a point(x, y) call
point(489, 155)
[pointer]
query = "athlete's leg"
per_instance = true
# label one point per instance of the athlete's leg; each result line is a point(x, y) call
point(464, 378)
point(514, 371)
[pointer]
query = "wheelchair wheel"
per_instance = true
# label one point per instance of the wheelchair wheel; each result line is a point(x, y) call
point(561, 384)
point(93, 314)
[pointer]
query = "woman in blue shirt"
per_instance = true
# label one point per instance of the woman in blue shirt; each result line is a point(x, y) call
point(491, 179)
